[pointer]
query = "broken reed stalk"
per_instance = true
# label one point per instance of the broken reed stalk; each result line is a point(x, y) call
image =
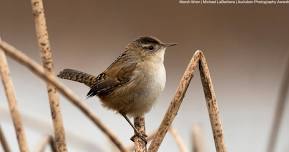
point(40, 72)
point(175, 103)
point(178, 139)
point(197, 139)
point(212, 105)
point(3, 141)
point(139, 124)
point(44, 142)
point(279, 111)
point(47, 61)
point(10, 94)
point(198, 58)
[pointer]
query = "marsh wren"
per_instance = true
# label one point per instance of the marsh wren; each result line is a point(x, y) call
point(133, 82)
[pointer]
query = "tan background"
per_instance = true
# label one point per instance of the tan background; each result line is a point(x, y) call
point(246, 47)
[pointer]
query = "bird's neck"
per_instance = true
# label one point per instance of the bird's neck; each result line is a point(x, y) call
point(157, 57)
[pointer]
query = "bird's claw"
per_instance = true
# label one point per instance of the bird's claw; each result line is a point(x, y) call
point(141, 136)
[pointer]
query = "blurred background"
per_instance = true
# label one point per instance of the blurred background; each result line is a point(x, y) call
point(246, 47)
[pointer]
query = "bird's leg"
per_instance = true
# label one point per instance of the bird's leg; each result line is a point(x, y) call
point(142, 136)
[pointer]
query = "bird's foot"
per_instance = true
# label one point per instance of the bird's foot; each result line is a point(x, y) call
point(141, 136)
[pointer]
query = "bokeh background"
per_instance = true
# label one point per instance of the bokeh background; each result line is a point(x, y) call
point(246, 47)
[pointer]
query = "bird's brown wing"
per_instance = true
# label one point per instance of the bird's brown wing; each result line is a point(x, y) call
point(117, 75)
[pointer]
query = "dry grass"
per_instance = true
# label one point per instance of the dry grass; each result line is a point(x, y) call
point(46, 73)
point(279, 111)
point(198, 59)
point(139, 144)
point(179, 141)
point(197, 139)
point(47, 61)
point(171, 113)
point(4, 142)
point(39, 71)
point(47, 140)
point(14, 110)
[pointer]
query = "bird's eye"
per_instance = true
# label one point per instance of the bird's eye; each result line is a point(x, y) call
point(150, 47)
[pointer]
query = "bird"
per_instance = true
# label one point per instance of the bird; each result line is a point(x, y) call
point(132, 83)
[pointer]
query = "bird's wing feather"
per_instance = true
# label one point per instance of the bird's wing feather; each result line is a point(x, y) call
point(115, 76)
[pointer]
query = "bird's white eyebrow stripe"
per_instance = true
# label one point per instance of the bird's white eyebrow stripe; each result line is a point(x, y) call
point(146, 45)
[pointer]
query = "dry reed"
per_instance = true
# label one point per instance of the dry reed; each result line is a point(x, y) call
point(177, 137)
point(197, 139)
point(47, 61)
point(140, 145)
point(175, 103)
point(198, 58)
point(13, 107)
point(149, 138)
point(212, 105)
point(279, 111)
point(47, 140)
point(39, 71)
point(3, 141)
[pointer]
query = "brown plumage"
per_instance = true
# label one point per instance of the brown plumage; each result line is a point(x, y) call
point(132, 83)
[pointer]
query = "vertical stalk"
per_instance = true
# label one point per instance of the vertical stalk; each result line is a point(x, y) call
point(10, 94)
point(47, 140)
point(279, 111)
point(140, 145)
point(197, 139)
point(177, 137)
point(46, 55)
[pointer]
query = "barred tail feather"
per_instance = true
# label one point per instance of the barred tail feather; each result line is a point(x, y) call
point(78, 76)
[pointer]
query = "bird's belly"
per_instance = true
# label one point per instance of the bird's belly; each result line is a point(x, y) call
point(144, 91)
point(149, 90)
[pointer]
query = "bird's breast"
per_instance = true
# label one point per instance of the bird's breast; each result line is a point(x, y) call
point(159, 76)
point(154, 76)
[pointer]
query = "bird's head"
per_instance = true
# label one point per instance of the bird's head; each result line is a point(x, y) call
point(149, 44)
point(148, 48)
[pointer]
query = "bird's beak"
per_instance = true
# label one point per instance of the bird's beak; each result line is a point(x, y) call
point(169, 44)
